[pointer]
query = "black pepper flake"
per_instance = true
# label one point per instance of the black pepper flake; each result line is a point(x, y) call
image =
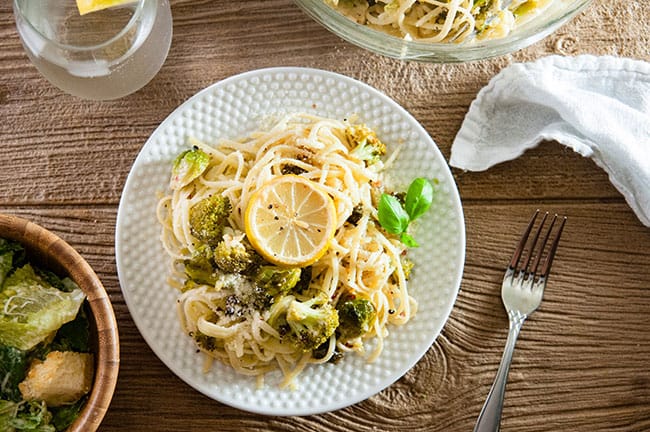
point(391, 311)
point(232, 305)
point(276, 218)
point(270, 206)
point(283, 330)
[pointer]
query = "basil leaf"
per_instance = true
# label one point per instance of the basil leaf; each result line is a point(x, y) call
point(408, 240)
point(392, 216)
point(418, 198)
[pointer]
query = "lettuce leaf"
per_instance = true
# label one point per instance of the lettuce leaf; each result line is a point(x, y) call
point(64, 416)
point(11, 255)
point(25, 416)
point(31, 309)
point(72, 336)
point(13, 367)
point(7, 413)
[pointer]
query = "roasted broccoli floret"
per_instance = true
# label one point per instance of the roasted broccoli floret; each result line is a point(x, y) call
point(356, 215)
point(187, 166)
point(491, 20)
point(242, 302)
point(232, 259)
point(292, 169)
point(365, 144)
point(278, 313)
point(200, 268)
point(322, 350)
point(235, 255)
point(259, 299)
point(209, 217)
point(311, 322)
point(205, 342)
point(407, 268)
point(232, 255)
point(356, 317)
point(305, 280)
point(277, 280)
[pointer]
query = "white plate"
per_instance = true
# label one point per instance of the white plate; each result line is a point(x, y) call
point(231, 109)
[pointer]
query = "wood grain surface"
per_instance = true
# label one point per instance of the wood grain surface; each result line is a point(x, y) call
point(582, 361)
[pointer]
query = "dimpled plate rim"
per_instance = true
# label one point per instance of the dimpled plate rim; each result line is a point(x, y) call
point(232, 108)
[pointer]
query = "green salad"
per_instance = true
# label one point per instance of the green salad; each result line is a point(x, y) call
point(46, 367)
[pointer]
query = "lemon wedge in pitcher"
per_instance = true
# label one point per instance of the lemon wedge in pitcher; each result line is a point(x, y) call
point(87, 6)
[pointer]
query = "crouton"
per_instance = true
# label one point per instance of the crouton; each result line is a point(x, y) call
point(61, 379)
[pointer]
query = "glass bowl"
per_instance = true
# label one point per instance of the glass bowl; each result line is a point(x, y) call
point(558, 13)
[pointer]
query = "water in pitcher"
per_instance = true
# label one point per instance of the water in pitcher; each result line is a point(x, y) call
point(101, 55)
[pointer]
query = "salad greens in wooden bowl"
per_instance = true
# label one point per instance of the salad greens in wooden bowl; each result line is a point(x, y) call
point(59, 349)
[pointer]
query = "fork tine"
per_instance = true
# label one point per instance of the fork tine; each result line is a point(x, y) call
point(540, 252)
point(529, 254)
point(546, 269)
point(522, 243)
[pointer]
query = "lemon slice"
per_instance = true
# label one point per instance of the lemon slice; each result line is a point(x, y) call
point(87, 6)
point(290, 221)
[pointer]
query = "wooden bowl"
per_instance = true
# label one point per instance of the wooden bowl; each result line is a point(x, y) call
point(51, 252)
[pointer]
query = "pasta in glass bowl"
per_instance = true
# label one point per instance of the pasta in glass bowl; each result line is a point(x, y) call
point(442, 31)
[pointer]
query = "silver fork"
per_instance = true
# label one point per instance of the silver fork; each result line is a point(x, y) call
point(521, 292)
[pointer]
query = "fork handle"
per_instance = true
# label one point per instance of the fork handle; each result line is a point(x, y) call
point(490, 417)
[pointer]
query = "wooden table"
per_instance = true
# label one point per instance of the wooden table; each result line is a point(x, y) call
point(582, 361)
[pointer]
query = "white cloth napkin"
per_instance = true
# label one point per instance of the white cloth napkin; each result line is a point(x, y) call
point(598, 106)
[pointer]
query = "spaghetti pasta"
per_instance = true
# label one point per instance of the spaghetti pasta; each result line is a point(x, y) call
point(362, 261)
point(441, 21)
